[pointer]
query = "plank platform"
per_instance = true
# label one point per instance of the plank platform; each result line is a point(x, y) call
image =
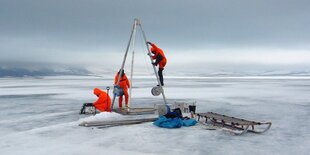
point(116, 122)
point(135, 111)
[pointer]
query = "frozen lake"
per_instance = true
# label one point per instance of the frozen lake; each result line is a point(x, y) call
point(40, 116)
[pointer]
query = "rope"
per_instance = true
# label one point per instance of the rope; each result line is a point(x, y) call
point(142, 48)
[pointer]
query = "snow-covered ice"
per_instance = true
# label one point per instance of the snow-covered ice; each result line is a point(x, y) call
point(40, 116)
point(104, 116)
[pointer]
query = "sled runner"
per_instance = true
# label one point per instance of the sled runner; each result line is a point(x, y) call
point(236, 125)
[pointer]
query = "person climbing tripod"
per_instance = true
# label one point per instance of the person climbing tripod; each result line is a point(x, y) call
point(160, 59)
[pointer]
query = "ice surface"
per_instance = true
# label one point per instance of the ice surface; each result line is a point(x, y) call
point(40, 116)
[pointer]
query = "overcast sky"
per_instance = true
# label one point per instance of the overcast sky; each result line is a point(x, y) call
point(217, 34)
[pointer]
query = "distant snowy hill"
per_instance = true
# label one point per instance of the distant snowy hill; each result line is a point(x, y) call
point(22, 72)
point(286, 73)
point(243, 73)
point(66, 70)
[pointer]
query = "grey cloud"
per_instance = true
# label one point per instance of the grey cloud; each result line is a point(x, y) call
point(39, 28)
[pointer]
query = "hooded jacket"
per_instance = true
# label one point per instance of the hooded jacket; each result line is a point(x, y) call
point(123, 83)
point(158, 53)
point(103, 102)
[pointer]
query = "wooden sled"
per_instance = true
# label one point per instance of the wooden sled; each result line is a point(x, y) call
point(104, 124)
point(135, 111)
point(236, 125)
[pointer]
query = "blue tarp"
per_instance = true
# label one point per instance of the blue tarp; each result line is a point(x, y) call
point(177, 122)
point(189, 122)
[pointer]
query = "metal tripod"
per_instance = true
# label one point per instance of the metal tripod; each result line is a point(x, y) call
point(136, 24)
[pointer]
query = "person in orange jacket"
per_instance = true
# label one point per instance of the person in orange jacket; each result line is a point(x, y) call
point(124, 84)
point(103, 103)
point(160, 59)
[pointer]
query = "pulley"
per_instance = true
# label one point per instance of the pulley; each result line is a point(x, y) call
point(156, 91)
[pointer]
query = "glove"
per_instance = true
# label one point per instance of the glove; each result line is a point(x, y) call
point(149, 42)
point(154, 63)
point(149, 54)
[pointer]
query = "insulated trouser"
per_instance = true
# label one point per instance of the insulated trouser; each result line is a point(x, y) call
point(120, 99)
point(160, 74)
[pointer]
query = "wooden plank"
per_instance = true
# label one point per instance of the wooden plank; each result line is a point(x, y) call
point(116, 122)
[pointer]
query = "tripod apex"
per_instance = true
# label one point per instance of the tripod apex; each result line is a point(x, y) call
point(137, 20)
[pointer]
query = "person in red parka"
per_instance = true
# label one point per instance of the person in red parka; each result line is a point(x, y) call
point(103, 102)
point(124, 84)
point(160, 59)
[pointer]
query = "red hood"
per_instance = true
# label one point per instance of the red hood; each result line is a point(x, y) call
point(97, 91)
point(153, 50)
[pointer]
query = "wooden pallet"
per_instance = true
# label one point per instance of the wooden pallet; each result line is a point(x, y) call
point(135, 111)
point(234, 124)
